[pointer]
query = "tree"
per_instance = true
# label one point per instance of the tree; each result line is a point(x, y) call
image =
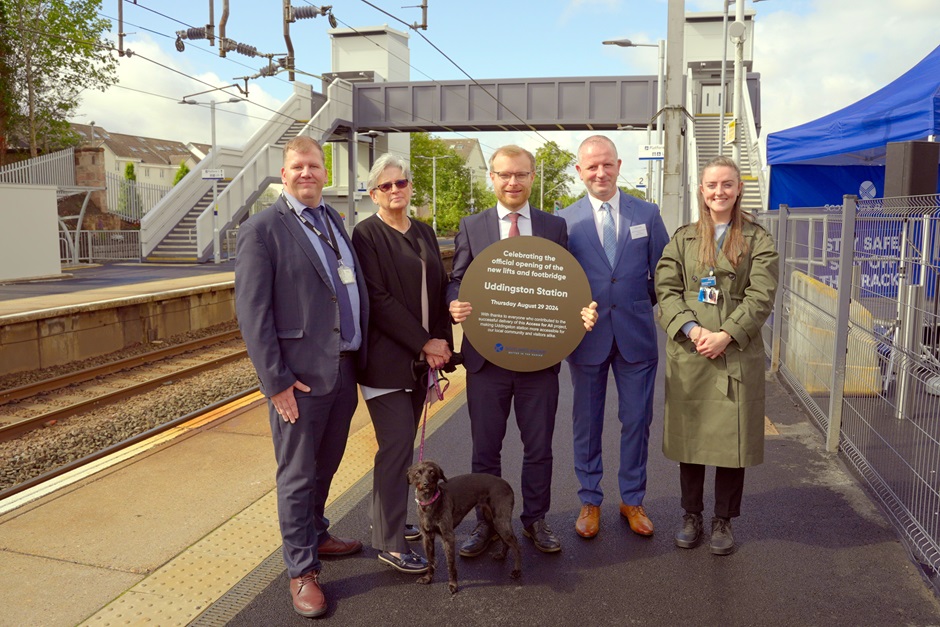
point(328, 163)
point(551, 175)
point(453, 181)
point(55, 50)
point(182, 171)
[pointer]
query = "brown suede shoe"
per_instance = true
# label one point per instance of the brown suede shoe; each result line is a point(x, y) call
point(336, 547)
point(636, 516)
point(589, 521)
point(307, 596)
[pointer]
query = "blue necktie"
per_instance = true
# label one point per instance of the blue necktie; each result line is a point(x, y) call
point(610, 233)
point(347, 325)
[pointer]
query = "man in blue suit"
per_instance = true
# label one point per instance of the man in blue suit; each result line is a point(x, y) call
point(302, 308)
point(493, 390)
point(618, 240)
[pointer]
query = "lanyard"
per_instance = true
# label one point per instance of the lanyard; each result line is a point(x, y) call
point(331, 242)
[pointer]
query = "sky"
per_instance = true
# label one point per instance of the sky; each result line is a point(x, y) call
point(814, 56)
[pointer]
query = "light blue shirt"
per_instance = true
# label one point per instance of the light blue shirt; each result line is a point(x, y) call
point(327, 256)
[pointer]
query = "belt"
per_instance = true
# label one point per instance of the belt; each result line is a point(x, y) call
point(345, 354)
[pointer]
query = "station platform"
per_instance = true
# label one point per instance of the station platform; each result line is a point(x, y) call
point(185, 532)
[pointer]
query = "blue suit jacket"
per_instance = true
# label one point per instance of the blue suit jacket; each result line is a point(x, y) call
point(624, 292)
point(285, 303)
point(476, 233)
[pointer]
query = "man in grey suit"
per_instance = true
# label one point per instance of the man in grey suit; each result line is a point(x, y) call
point(618, 240)
point(302, 309)
point(491, 389)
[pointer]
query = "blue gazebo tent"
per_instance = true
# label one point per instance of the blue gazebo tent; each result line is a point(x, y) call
point(816, 163)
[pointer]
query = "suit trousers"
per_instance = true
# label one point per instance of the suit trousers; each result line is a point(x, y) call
point(308, 452)
point(729, 489)
point(395, 417)
point(635, 385)
point(491, 391)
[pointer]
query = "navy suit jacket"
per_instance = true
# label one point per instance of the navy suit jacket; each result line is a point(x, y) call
point(624, 291)
point(285, 303)
point(476, 233)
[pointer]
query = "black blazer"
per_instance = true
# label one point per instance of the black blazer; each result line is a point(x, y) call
point(476, 233)
point(392, 270)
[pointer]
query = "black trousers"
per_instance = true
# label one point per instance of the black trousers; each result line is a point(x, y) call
point(533, 396)
point(729, 488)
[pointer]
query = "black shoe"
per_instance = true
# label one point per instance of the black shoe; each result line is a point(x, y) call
point(543, 538)
point(722, 540)
point(410, 563)
point(691, 533)
point(412, 533)
point(479, 539)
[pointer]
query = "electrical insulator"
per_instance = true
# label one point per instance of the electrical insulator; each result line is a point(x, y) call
point(192, 33)
point(307, 12)
point(249, 51)
point(269, 70)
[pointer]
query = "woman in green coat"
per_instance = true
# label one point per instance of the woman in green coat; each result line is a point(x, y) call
point(715, 284)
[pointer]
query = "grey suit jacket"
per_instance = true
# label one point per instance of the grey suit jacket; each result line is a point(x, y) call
point(285, 303)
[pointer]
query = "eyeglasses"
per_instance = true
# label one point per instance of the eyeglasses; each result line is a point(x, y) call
point(507, 176)
point(385, 187)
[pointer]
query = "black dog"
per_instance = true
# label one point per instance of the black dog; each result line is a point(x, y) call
point(443, 503)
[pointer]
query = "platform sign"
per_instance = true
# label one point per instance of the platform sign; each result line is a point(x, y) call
point(651, 152)
point(731, 132)
point(213, 174)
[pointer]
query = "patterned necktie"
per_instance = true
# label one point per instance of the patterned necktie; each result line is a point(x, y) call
point(347, 325)
point(610, 233)
point(514, 227)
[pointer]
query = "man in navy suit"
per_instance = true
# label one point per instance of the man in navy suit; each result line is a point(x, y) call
point(302, 308)
point(491, 390)
point(618, 240)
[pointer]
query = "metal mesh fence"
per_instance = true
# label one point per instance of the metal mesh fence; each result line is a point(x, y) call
point(857, 338)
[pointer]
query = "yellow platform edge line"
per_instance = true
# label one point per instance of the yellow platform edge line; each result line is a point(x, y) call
point(157, 595)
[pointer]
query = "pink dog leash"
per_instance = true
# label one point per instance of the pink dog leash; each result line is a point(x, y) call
point(433, 387)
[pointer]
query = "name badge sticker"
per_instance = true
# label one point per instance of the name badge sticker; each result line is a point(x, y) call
point(638, 231)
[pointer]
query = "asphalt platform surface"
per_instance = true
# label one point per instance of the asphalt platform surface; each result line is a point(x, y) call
point(813, 548)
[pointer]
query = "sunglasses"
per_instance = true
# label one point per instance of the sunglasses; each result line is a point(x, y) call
point(385, 187)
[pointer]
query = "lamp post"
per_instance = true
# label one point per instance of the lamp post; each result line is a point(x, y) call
point(738, 33)
point(433, 161)
point(216, 245)
point(660, 97)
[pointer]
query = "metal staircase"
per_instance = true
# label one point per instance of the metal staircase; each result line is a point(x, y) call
point(180, 245)
point(180, 228)
point(707, 136)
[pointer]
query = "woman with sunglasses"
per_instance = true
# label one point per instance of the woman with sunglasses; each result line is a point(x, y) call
point(408, 321)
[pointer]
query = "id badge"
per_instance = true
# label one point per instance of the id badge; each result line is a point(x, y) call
point(346, 274)
point(708, 293)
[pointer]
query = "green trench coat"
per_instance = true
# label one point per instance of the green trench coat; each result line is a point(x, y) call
point(715, 407)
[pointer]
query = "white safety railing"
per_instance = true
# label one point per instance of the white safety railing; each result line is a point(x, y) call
point(752, 144)
point(55, 168)
point(100, 246)
point(131, 199)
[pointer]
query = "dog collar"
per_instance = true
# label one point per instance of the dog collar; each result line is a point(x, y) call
point(426, 503)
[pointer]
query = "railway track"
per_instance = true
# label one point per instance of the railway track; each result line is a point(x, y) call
point(47, 402)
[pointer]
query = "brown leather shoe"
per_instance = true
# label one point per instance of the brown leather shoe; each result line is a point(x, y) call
point(336, 547)
point(636, 516)
point(307, 596)
point(589, 521)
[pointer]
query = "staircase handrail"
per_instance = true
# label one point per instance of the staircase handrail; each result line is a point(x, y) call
point(752, 143)
point(254, 176)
